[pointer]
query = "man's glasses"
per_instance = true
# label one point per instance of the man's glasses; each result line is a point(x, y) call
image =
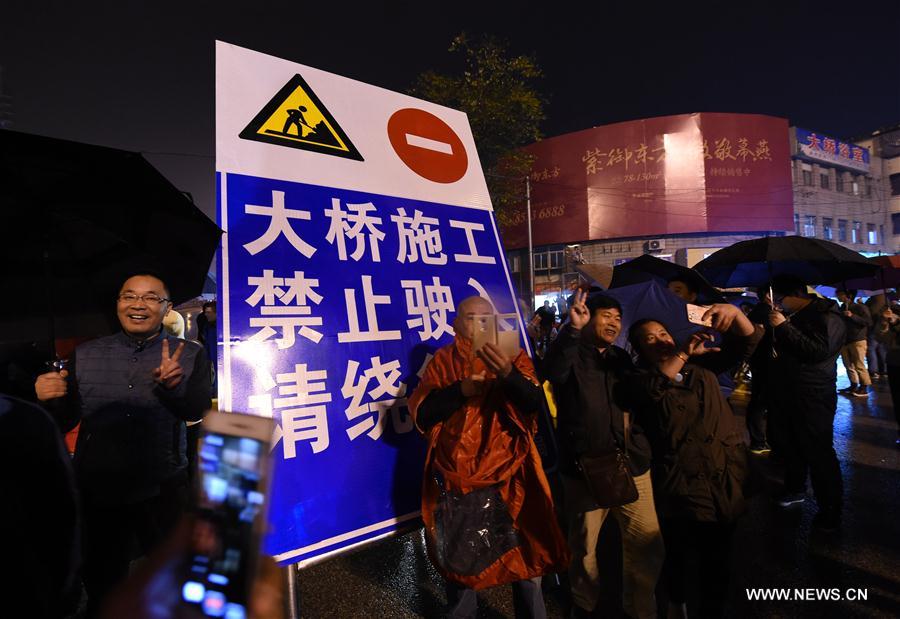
point(149, 299)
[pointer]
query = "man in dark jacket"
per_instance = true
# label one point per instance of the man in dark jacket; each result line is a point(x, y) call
point(586, 369)
point(807, 334)
point(132, 393)
point(876, 352)
point(857, 321)
point(757, 413)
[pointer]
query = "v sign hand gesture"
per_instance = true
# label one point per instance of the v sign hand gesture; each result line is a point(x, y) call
point(169, 373)
point(579, 315)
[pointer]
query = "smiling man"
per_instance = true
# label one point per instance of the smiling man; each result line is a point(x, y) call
point(586, 368)
point(132, 393)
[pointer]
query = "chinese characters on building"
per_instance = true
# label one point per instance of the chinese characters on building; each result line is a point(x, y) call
point(722, 149)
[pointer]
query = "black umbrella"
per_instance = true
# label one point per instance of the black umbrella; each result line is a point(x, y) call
point(645, 268)
point(887, 276)
point(75, 220)
point(755, 262)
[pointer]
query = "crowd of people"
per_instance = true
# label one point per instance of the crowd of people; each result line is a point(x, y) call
point(644, 433)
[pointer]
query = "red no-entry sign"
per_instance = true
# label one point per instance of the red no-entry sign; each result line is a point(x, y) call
point(427, 145)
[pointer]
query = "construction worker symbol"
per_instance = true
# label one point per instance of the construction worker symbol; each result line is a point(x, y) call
point(295, 117)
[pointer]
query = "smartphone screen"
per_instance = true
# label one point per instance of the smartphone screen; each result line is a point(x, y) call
point(695, 314)
point(225, 542)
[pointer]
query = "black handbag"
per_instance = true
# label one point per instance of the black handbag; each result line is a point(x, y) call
point(608, 479)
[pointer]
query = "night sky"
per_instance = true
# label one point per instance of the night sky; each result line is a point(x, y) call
point(140, 75)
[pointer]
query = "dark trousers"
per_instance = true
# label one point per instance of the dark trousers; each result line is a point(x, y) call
point(528, 601)
point(876, 356)
point(112, 532)
point(710, 542)
point(806, 442)
point(756, 418)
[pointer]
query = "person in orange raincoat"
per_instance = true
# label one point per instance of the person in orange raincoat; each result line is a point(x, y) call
point(486, 504)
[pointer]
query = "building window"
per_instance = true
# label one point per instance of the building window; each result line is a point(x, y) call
point(514, 262)
point(796, 224)
point(839, 181)
point(827, 234)
point(854, 186)
point(809, 226)
point(549, 261)
point(872, 233)
point(856, 232)
point(842, 230)
point(807, 178)
point(895, 184)
point(557, 259)
point(823, 181)
point(868, 187)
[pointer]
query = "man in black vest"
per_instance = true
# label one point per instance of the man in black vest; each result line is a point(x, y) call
point(132, 393)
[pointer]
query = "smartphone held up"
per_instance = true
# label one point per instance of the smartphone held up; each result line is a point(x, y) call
point(695, 315)
point(231, 489)
point(501, 330)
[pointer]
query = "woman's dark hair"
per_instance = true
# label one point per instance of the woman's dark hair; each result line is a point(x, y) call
point(635, 329)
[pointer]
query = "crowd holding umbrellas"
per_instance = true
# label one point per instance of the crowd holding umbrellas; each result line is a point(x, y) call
point(79, 218)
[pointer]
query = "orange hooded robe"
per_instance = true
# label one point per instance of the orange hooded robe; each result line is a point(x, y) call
point(486, 504)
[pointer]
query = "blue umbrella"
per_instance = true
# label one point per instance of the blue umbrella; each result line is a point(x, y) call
point(649, 267)
point(649, 299)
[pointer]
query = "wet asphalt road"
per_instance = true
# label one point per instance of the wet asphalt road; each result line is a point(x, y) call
point(773, 548)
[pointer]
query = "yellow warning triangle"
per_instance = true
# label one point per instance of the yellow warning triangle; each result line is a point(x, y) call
point(295, 117)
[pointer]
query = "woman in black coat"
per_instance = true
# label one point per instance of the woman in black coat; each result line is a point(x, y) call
point(699, 458)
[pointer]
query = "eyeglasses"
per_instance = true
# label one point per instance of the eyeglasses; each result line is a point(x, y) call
point(149, 299)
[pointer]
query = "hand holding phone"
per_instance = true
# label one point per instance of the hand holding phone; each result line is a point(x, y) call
point(695, 315)
point(51, 385)
point(495, 360)
point(221, 563)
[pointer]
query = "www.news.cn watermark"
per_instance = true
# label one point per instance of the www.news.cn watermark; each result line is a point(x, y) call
point(808, 595)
